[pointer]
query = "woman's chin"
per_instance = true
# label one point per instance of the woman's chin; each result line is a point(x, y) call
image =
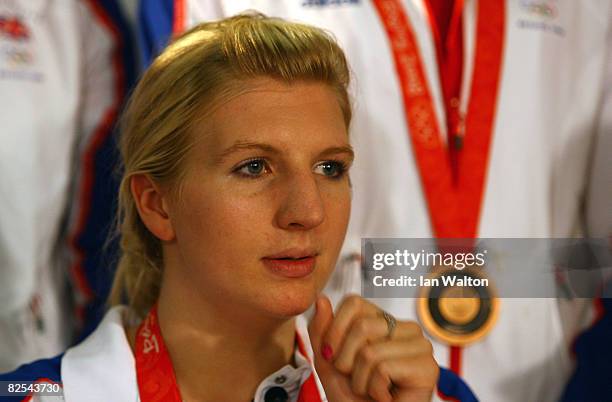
point(288, 298)
point(291, 304)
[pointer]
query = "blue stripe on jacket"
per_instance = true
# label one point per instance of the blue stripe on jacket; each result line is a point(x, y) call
point(98, 264)
point(592, 378)
point(45, 368)
point(155, 27)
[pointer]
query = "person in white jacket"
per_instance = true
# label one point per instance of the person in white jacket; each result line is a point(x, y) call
point(503, 139)
point(65, 67)
point(233, 207)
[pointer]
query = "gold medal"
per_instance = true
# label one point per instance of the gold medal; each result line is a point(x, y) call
point(459, 309)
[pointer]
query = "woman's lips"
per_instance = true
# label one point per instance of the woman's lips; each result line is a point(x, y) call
point(291, 268)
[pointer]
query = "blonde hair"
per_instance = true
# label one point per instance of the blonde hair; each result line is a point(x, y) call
point(202, 66)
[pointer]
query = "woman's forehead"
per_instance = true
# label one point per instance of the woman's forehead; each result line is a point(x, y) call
point(305, 114)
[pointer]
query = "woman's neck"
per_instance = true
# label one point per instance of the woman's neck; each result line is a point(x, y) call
point(219, 352)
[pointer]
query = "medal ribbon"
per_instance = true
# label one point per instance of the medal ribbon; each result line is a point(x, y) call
point(155, 374)
point(453, 204)
point(446, 20)
point(452, 177)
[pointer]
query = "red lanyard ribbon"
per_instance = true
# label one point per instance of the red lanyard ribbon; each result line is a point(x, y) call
point(446, 20)
point(154, 371)
point(155, 374)
point(453, 181)
point(453, 194)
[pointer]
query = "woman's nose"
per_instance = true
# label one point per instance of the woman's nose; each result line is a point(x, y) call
point(302, 206)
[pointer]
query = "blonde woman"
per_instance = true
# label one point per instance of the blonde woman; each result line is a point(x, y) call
point(233, 207)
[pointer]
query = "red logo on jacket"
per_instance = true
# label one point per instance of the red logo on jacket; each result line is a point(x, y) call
point(14, 28)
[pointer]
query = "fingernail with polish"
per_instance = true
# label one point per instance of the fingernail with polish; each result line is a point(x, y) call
point(327, 352)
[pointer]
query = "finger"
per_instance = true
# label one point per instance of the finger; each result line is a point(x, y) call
point(320, 324)
point(336, 385)
point(413, 378)
point(379, 385)
point(407, 330)
point(371, 355)
point(366, 330)
point(362, 331)
point(350, 308)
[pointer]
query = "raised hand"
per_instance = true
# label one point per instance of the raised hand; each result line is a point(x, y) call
point(359, 357)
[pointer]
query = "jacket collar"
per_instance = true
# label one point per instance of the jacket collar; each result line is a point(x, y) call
point(102, 367)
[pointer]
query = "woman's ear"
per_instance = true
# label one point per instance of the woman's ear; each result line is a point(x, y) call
point(152, 207)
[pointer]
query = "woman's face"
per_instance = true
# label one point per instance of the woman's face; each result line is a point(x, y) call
point(265, 201)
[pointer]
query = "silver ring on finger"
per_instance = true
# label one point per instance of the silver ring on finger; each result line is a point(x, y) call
point(391, 323)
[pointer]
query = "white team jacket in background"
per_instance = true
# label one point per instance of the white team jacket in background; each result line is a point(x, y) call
point(59, 94)
point(545, 164)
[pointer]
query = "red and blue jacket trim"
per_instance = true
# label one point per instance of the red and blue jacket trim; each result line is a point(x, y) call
point(44, 370)
point(94, 258)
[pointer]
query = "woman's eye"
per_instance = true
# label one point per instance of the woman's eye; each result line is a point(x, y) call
point(334, 169)
point(253, 168)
